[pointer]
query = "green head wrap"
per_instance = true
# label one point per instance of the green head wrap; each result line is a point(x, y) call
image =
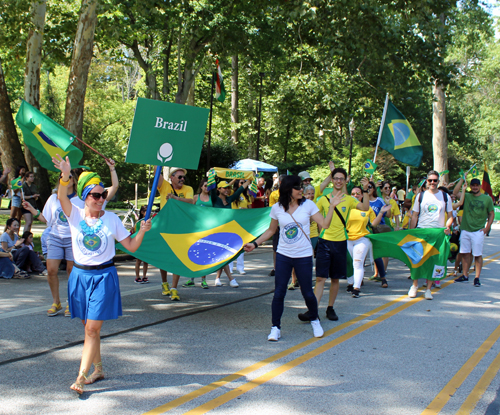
point(87, 179)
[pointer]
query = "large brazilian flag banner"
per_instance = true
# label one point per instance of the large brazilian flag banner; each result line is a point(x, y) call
point(497, 212)
point(45, 138)
point(425, 251)
point(193, 241)
point(167, 134)
point(399, 139)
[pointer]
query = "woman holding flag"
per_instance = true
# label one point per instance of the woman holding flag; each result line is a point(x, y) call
point(293, 215)
point(93, 287)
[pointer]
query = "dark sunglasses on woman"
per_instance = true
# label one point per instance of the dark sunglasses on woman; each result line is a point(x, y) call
point(97, 196)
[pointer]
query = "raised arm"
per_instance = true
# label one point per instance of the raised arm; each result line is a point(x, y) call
point(324, 222)
point(62, 194)
point(35, 212)
point(462, 198)
point(114, 180)
point(133, 244)
point(380, 215)
point(328, 179)
point(365, 204)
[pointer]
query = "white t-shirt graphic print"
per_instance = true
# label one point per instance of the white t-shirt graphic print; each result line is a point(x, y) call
point(292, 242)
point(432, 210)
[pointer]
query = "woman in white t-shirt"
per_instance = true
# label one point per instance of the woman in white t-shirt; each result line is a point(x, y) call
point(93, 287)
point(293, 214)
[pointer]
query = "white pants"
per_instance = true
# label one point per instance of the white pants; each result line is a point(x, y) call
point(472, 242)
point(358, 250)
point(240, 264)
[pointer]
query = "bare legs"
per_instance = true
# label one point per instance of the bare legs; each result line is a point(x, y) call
point(91, 352)
point(334, 290)
point(228, 272)
point(53, 279)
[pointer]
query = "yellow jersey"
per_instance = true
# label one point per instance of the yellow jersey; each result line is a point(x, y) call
point(358, 222)
point(274, 197)
point(186, 192)
point(336, 231)
point(243, 203)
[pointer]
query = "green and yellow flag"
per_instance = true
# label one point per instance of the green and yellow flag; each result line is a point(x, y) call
point(200, 240)
point(370, 167)
point(16, 183)
point(424, 251)
point(399, 139)
point(45, 138)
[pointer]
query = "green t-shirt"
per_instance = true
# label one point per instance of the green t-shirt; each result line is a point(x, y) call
point(476, 210)
point(410, 194)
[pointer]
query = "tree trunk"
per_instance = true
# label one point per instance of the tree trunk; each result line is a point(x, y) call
point(79, 71)
point(234, 98)
point(32, 87)
point(12, 153)
point(439, 138)
point(190, 98)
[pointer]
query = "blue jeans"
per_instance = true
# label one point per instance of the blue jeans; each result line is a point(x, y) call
point(6, 268)
point(303, 269)
point(380, 267)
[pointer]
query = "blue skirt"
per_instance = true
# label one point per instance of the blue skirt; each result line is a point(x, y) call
point(94, 294)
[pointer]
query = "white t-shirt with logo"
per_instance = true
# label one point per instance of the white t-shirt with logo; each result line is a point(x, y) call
point(56, 219)
point(432, 210)
point(98, 247)
point(292, 242)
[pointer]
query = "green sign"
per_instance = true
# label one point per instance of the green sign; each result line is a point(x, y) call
point(166, 134)
point(497, 212)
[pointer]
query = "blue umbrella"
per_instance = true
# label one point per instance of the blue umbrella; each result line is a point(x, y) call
point(254, 165)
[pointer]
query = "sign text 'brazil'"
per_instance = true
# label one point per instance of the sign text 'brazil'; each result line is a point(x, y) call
point(166, 134)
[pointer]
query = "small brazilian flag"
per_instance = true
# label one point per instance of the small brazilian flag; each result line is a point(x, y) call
point(370, 167)
point(254, 187)
point(16, 183)
point(45, 138)
point(211, 180)
point(201, 239)
point(424, 251)
point(474, 171)
point(443, 173)
point(399, 139)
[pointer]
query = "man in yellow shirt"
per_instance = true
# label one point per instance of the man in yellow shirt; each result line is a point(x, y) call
point(331, 256)
point(175, 189)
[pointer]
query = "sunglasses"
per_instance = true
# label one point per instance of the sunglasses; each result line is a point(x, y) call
point(339, 179)
point(433, 180)
point(297, 188)
point(370, 187)
point(181, 177)
point(97, 196)
point(387, 188)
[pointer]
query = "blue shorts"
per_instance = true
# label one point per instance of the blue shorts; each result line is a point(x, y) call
point(331, 259)
point(16, 201)
point(59, 248)
point(94, 294)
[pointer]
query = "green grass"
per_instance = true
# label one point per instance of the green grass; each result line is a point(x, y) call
point(3, 221)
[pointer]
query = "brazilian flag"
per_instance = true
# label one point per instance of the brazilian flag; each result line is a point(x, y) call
point(193, 241)
point(45, 138)
point(16, 183)
point(370, 167)
point(424, 251)
point(399, 139)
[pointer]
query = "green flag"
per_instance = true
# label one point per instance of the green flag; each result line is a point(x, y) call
point(193, 241)
point(399, 139)
point(16, 183)
point(370, 167)
point(45, 138)
point(424, 251)
point(443, 173)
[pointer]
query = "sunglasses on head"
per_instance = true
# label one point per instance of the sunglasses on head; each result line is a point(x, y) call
point(433, 180)
point(97, 196)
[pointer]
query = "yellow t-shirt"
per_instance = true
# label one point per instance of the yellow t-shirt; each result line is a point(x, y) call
point(186, 192)
point(243, 203)
point(313, 230)
point(406, 221)
point(336, 231)
point(358, 221)
point(394, 208)
point(274, 197)
point(317, 193)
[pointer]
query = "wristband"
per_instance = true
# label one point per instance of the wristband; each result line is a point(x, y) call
point(255, 243)
point(63, 183)
point(364, 191)
point(37, 214)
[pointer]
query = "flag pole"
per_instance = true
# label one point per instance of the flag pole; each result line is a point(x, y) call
point(93, 149)
point(407, 179)
point(153, 192)
point(210, 121)
point(381, 125)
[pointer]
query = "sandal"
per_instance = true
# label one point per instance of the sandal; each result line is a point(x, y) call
point(78, 386)
point(21, 275)
point(145, 280)
point(97, 375)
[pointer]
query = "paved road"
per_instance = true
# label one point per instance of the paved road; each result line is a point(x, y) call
point(208, 353)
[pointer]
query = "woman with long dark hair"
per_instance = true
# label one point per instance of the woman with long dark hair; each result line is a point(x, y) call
point(293, 214)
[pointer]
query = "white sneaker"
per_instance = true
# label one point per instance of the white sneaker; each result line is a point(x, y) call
point(233, 283)
point(317, 329)
point(241, 272)
point(274, 335)
point(218, 283)
point(437, 284)
point(412, 293)
point(428, 295)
